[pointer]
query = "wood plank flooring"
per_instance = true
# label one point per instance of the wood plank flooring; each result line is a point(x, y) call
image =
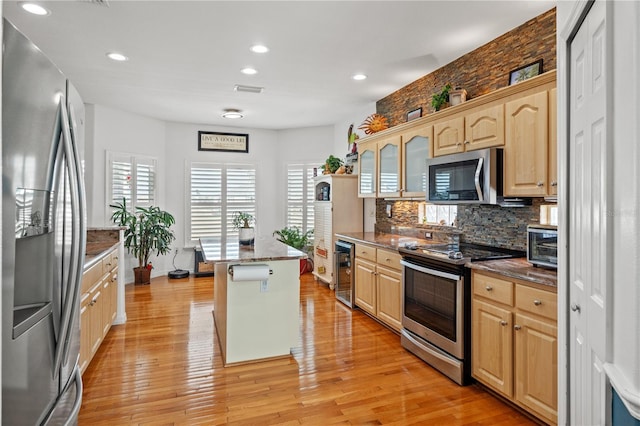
point(163, 367)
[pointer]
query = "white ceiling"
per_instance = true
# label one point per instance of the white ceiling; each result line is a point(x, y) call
point(186, 56)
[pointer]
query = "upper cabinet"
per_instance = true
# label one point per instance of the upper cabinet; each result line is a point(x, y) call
point(389, 167)
point(553, 142)
point(367, 170)
point(477, 129)
point(520, 118)
point(397, 166)
point(526, 149)
point(415, 151)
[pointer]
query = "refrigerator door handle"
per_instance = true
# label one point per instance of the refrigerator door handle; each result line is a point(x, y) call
point(73, 417)
point(72, 286)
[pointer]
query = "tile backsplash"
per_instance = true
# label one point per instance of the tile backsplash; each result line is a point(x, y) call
point(480, 224)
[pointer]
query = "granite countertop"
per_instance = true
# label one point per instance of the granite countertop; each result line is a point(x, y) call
point(96, 253)
point(518, 268)
point(388, 241)
point(264, 249)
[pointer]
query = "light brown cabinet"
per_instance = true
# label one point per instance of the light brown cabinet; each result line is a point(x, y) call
point(514, 342)
point(553, 142)
point(395, 166)
point(478, 128)
point(378, 284)
point(98, 305)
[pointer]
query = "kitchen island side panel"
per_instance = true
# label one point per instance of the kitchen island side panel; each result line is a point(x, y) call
point(257, 321)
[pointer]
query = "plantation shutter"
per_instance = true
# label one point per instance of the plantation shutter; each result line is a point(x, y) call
point(217, 191)
point(300, 195)
point(132, 178)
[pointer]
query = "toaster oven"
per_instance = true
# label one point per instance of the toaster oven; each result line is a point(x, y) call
point(542, 245)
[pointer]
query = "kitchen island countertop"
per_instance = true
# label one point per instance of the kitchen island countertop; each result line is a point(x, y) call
point(264, 249)
point(518, 268)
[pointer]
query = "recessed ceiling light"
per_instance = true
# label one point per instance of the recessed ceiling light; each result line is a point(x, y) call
point(359, 77)
point(115, 56)
point(232, 113)
point(34, 8)
point(258, 48)
point(249, 71)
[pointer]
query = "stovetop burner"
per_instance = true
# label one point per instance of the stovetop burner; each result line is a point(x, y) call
point(460, 253)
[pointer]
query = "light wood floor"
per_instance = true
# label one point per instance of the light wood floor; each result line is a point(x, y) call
point(164, 367)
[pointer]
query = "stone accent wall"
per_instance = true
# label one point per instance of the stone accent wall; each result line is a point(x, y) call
point(496, 226)
point(481, 71)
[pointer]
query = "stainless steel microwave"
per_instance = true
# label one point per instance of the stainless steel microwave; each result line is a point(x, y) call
point(473, 177)
point(542, 245)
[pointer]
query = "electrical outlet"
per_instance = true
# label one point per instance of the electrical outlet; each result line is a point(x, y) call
point(428, 235)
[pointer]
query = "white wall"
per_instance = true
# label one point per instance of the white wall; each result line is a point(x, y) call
point(175, 145)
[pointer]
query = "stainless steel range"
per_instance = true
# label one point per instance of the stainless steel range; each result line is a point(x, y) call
point(436, 303)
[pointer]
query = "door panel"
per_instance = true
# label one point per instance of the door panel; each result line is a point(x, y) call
point(589, 264)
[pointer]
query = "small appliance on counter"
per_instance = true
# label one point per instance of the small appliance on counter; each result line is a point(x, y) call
point(542, 245)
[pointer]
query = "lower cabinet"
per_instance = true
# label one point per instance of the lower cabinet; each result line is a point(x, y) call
point(514, 342)
point(98, 305)
point(378, 284)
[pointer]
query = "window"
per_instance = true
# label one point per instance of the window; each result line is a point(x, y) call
point(216, 192)
point(300, 195)
point(437, 214)
point(132, 178)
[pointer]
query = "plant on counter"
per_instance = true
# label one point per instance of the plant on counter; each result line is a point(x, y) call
point(148, 231)
point(242, 222)
point(438, 100)
point(294, 237)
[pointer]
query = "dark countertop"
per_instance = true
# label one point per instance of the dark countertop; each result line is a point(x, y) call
point(520, 269)
point(264, 249)
point(388, 241)
point(97, 253)
point(515, 268)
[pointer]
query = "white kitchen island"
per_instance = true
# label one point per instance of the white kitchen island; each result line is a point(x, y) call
point(256, 298)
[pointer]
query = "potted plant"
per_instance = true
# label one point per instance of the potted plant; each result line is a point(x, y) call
point(294, 237)
point(242, 222)
point(146, 232)
point(331, 165)
point(439, 100)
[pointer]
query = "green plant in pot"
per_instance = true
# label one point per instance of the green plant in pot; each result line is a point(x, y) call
point(242, 222)
point(294, 237)
point(332, 164)
point(439, 100)
point(147, 231)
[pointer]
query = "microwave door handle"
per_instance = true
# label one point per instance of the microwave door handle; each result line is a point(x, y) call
point(477, 179)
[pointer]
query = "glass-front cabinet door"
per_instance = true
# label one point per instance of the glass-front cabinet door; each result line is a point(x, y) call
point(367, 170)
point(415, 151)
point(389, 165)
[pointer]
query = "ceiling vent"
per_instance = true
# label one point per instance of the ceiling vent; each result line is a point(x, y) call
point(104, 3)
point(248, 89)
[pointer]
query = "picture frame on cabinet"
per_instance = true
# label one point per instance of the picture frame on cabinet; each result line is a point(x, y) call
point(526, 72)
point(413, 114)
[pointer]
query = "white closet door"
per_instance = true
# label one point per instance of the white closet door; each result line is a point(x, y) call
point(590, 248)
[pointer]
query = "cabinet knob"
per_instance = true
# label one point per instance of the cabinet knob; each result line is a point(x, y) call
point(539, 183)
point(554, 183)
point(458, 144)
point(537, 302)
point(575, 307)
point(516, 327)
point(488, 288)
point(503, 323)
point(467, 142)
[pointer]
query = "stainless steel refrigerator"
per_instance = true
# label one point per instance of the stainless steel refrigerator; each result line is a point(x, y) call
point(43, 237)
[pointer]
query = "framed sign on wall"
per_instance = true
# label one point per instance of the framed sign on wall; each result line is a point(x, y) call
point(219, 141)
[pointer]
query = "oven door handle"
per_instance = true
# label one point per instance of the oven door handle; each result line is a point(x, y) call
point(430, 271)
